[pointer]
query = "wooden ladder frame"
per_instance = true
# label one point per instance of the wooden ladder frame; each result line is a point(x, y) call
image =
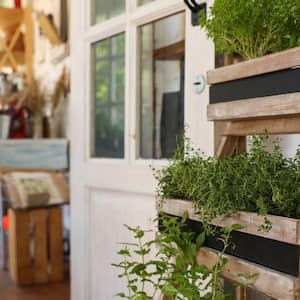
point(273, 115)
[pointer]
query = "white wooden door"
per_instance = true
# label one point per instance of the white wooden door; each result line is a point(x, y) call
point(117, 129)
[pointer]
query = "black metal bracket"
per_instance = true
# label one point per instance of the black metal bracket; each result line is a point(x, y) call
point(195, 9)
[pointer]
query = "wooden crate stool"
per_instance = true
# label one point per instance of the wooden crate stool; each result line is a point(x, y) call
point(36, 245)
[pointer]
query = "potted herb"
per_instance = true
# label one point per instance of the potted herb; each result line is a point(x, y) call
point(259, 190)
point(253, 28)
point(261, 32)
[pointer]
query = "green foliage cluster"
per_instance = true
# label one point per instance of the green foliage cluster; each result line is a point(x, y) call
point(260, 181)
point(253, 28)
point(167, 264)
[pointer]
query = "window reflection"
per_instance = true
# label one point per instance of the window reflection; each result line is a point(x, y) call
point(161, 86)
point(103, 10)
point(108, 96)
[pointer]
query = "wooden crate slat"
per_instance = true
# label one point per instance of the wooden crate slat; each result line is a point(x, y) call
point(268, 282)
point(267, 64)
point(19, 247)
point(265, 107)
point(56, 244)
point(285, 230)
point(39, 219)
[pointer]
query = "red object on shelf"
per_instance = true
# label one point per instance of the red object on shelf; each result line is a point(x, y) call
point(5, 223)
point(18, 3)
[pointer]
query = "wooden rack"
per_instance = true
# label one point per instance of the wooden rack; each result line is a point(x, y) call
point(277, 114)
point(17, 41)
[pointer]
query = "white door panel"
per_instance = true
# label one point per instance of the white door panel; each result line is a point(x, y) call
point(107, 193)
point(109, 211)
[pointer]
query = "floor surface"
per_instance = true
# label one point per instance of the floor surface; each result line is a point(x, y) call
point(9, 291)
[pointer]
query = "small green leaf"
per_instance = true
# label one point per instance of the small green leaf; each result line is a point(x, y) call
point(169, 290)
point(200, 240)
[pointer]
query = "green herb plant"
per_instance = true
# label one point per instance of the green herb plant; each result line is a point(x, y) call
point(261, 181)
point(253, 28)
point(168, 265)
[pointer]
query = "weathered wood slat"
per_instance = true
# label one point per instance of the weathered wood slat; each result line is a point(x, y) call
point(268, 282)
point(267, 64)
point(284, 125)
point(56, 244)
point(39, 220)
point(34, 154)
point(19, 247)
point(283, 229)
point(273, 106)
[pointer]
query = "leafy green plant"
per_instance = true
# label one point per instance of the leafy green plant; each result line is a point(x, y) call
point(167, 264)
point(259, 181)
point(253, 28)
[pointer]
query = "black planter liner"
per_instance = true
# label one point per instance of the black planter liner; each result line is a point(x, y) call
point(276, 83)
point(269, 253)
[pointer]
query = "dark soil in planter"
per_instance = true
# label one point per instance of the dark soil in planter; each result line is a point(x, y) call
point(269, 253)
point(276, 83)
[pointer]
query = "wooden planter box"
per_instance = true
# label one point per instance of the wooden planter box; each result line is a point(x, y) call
point(273, 255)
point(284, 230)
point(271, 75)
point(36, 246)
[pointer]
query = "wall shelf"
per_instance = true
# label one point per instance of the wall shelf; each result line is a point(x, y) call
point(254, 67)
point(285, 230)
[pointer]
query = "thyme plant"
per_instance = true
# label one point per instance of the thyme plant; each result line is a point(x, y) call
point(253, 28)
point(260, 181)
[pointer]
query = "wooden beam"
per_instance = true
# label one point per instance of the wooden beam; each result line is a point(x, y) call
point(227, 146)
point(29, 44)
point(18, 56)
point(8, 50)
point(267, 64)
point(241, 145)
point(48, 30)
point(268, 282)
point(283, 229)
point(10, 17)
point(266, 107)
point(284, 125)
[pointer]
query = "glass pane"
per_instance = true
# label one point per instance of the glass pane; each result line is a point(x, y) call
point(142, 2)
point(108, 63)
point(103, 9)
point(161, 86)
